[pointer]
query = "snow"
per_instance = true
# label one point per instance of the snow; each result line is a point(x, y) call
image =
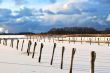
point(17, 61)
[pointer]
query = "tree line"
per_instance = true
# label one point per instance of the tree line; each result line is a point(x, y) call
point(78, 30)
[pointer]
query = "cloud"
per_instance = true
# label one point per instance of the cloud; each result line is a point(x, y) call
point(52, 1)
point(87, 13)
point(20, 2)
point(3, 30)
point(48, 12)
point(102, 1)
point(108, 18)
point(5, 14)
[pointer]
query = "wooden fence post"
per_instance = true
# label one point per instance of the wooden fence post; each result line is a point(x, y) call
point(17, 44)
point(0, 40)
point(41, 52)
point(90, 40)
point(63, 49)
point(22, 45)
point(98, 42)
point(29, 46)
point(58, 39)
point(6, 42)
point(53, 54)
point(49, 39)
point(3, 41)
point(53, 39)
point(44, 39)
point(33, 38)
point(69, 39)
point(34, 49)
point(74, 40)
point(108, 41)
point(81, 40)
point(11, 45)
point(93, 57)
point(72, 57)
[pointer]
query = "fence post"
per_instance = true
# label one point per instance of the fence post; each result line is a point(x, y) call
point(6, 42)
point(108, 41)
point(98, 42)
point(40, 52)
point(44, 39)
point(34, 50)
point(90, 40)
point(0, 40)
point(29, 45)
point(53, 39)
point(58, 39)
point(17, 44)
point(81, 40)
point(22, 45)
point(63, 49)
point(53, 53)
point(3, 41)
point(49, 39)
point(72, 57)
point(74, 40)
point(93, 57)
point(11, 45)
point(69, 40)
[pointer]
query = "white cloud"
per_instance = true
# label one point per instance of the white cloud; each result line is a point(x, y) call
point(3, 30)
point(108, 18)
point(19, 20)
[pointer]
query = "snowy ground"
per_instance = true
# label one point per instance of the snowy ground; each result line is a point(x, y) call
point(15, 61)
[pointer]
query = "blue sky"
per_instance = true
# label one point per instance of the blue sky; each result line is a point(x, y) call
point(41, 15)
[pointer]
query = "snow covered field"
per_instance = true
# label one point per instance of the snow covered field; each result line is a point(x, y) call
point(17, 61)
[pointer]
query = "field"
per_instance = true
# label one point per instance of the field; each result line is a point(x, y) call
point(13, 60)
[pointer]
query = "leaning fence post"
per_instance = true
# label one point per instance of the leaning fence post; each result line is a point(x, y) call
point(17, 44)
point(22, 45)
point(53, 54)
point(63, 49)
point(34, 50)
point(40, 52)
point(93, 57)
point(72, 57)
point(29, 45)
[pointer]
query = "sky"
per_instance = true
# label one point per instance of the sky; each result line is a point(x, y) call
point(41, 15)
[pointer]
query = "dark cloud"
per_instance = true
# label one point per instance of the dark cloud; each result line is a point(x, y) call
point(53, 1)
point(5, 15)
point(49, 12)
point(20, 2)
